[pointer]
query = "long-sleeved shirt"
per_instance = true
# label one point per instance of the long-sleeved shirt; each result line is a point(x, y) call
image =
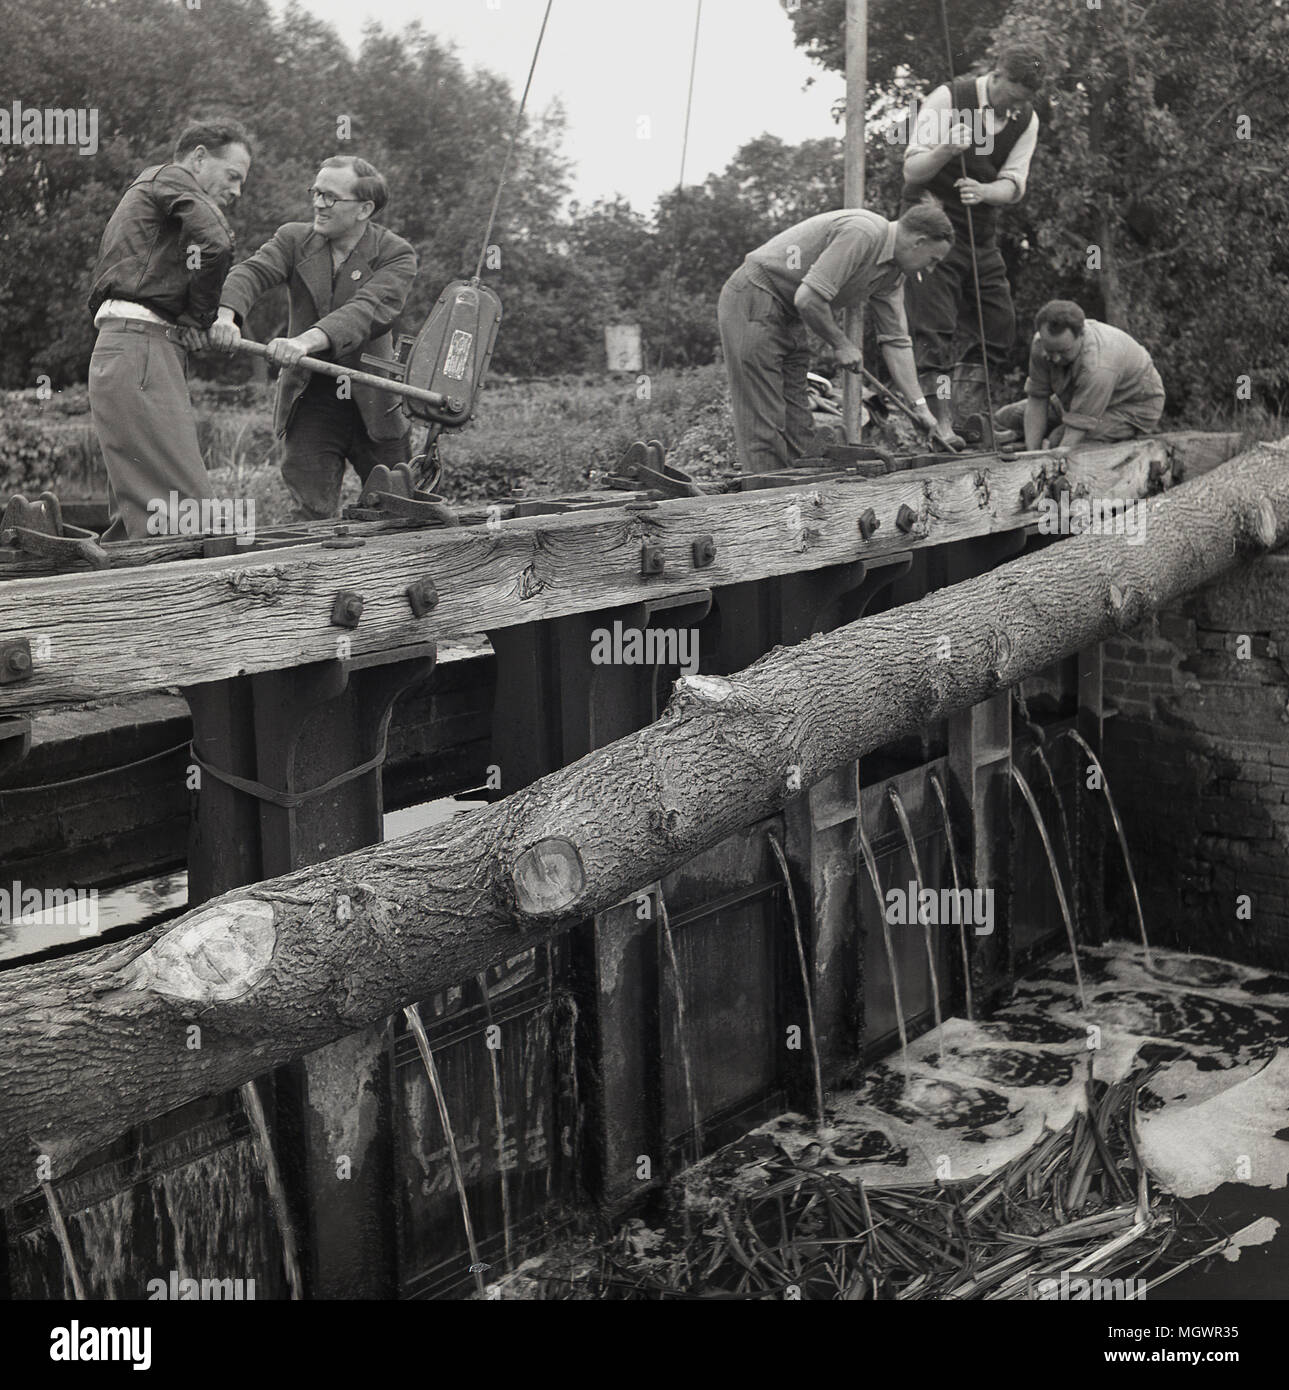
point(1111, 372)
point(848, 258)
point(931, 130)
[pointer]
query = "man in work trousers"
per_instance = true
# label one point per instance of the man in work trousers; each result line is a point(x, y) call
point(348, 280)
point(1087, 382)
point(990, 123)
point(162, 261)
point(836, 260)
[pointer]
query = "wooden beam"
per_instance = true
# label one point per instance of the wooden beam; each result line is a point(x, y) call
point(111, 632)
point(95, 1042)
point(162, 550)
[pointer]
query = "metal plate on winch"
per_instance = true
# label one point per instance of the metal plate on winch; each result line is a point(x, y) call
point(452, 351)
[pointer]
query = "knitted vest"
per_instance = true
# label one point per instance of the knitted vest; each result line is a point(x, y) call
point(982, 167)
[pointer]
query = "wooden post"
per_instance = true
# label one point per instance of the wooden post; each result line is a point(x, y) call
point(856, 102)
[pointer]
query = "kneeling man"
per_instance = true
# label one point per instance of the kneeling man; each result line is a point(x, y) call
point(349, 278)
point(1088, 383)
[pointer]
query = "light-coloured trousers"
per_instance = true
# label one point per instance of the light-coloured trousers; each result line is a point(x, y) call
point(144, 421)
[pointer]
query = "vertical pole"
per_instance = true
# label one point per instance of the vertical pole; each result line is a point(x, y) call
point(856, 102)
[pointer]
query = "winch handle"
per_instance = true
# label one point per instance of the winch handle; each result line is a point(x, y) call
point(381, 383)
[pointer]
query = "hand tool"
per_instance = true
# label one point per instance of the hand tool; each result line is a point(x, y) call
point(937, 443)
point(432, 400)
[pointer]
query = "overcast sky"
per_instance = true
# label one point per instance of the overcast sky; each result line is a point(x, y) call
point(617, 64)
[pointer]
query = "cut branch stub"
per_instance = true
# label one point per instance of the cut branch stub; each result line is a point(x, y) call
point(219, 954)
point(548, 877)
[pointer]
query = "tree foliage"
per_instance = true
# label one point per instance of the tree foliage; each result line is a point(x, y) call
point(406, 102)
point(1158, 194)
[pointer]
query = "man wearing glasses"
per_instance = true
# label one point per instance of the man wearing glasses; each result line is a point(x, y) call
point(348, 280)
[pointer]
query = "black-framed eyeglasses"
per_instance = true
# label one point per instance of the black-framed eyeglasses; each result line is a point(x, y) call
point(329, 200)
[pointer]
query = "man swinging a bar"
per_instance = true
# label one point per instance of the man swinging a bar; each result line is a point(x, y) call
point(971, 147)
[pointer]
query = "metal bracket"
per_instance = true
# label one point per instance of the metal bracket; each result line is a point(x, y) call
point(15, 661)
point(15, 739)
point(39, 529)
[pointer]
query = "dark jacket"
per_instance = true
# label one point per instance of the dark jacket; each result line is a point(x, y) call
point(163, 225)
point(355, 312)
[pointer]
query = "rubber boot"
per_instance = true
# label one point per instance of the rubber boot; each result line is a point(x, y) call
point(971, 404)
point(942, 409)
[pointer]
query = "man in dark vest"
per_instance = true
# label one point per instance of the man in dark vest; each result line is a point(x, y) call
point(348, 279)
point(990, 123)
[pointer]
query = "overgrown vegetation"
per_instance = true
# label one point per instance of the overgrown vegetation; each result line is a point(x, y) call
point(529, 436)
point(1078, 1203)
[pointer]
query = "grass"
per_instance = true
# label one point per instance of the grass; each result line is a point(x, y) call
point(529, 437)
point(538, 437)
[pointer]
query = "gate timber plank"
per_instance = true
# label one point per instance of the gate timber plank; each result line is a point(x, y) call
point(187, 622)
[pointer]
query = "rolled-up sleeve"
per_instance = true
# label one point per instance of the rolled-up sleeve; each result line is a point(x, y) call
point(929, 131)
point(889, 320)
point(1016, 165)
point(1039, 381)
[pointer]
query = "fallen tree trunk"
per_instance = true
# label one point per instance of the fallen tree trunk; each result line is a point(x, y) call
point(99, 1041)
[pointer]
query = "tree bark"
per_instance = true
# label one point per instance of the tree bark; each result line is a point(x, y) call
point(99, 1041)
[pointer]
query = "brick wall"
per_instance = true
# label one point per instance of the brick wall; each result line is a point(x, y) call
point(1197, 752)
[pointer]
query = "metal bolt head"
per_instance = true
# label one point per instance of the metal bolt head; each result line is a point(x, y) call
point(1028, 495)
point(15, 661)
point(704, 551)
point(652, 560)
point(347, 609)
point(423, 597)
point(868, 523)
point(906, 518)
